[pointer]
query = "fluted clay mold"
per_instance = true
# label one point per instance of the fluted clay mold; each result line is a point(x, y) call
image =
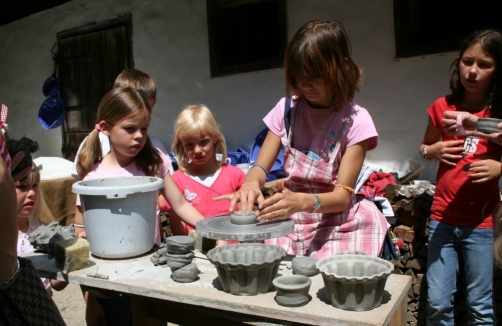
point(304, 266)
point(488, 125)
point(292, 290)
point(354, 281)
point(247, 268)
point(240, 218)
point(180, 244)
point(186, 274)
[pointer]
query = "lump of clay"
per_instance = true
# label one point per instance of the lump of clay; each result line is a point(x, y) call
point(180, 244)
point(186, 274)
point(72, 254)
point(243, 219)
point(304, 266)
point(159, 257)
point(25, 145)
point(45, 236)
point(177, 261)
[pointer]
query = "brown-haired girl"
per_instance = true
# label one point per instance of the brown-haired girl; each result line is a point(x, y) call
point(467, 190)
point(124, 116)
point(325, 136)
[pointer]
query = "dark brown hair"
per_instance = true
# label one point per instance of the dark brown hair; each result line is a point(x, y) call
point(321, 49)
point(138, 80)
point(117, 105)
point(491, 42)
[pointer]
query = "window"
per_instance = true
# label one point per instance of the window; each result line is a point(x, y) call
point(424, 27)
point(246, 35)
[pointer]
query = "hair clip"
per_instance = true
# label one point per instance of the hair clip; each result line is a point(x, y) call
point(37, 168)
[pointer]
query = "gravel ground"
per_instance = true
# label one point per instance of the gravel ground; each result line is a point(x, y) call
point(71, 305)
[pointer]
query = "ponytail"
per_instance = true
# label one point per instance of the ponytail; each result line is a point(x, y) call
point(89, 155)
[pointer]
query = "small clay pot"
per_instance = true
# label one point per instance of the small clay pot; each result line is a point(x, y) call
point(489, 125)
point(243, 219)
point(180, 244)
point(304, 266)
point(292, 290)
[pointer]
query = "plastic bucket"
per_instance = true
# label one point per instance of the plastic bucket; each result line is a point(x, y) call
point(119, 214)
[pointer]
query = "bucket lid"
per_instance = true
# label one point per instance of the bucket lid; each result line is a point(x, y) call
point(118, 187)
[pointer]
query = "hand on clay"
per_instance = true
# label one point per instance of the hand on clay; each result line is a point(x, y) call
point(447, 152)
point(469, 125)
point(280, 206)
point(483, 171)
point(244, 197)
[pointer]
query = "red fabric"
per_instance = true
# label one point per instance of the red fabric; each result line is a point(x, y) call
point(458, 201)
point(376, 183)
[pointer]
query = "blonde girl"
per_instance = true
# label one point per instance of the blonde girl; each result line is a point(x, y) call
point(201, 176)
point(29, 206)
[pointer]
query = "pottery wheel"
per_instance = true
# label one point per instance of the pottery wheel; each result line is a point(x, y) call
point(220, 228)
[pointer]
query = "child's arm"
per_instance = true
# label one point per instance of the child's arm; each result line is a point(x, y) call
point(285, 203)
point(78, 221)
point(183, 209)
point(250, 192)
point(178, 227)
point(447, 152)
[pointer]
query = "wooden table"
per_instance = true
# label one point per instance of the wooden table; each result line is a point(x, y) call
point(203, 302)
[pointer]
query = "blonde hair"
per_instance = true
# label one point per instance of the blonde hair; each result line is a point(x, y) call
point(138, 80)
point(497, 242)
point(197, 121)
point(117, 105)
point(30, 179)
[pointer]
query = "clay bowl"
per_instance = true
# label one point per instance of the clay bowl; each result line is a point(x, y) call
point(243, 219)
point(292, 290)
point(489, 125)
point(246, 268)
point(354, 281)
point(304, 266)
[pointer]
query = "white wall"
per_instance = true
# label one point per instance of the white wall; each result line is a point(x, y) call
point(170, 44)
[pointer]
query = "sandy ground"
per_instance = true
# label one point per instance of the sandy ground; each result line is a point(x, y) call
point(71, 305)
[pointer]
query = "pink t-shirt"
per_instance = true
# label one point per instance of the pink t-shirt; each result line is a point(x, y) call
point(99, 171)
point(201, 197)
point(24, 246)
point(316, 129)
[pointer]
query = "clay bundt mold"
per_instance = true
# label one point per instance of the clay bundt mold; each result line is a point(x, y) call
point(354, 281)
point(247, 268)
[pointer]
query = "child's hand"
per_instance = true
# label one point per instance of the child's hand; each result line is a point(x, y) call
point(447, 152)
point(483, 171)
point(459, 123)
point(82, 235)
point(281, 205)
point(246, 197)
point(94, 313)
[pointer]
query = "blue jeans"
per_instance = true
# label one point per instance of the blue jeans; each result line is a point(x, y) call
point(448, 243)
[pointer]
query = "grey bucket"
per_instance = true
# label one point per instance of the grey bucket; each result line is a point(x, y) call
point(119, 214)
